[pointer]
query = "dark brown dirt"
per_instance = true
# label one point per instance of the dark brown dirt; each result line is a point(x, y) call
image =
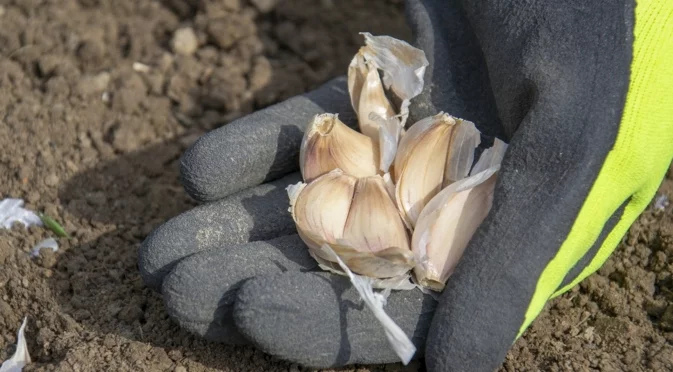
point(619, 319)
point(97, 102)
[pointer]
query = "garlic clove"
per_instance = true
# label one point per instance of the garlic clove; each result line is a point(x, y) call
point(413, 136)
point(329, 144)
point(376, 115)
point(320, 209)
point(373, 100)
point(374, 223)
point(421, 177)
point(447, 224)
point(357, 73)
point(435, 152)
point(403, 67)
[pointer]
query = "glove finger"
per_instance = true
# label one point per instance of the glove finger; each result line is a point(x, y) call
point(456, 81)
point(259, 213)
point(317, 319)
point(199, 292)
point(259, 147)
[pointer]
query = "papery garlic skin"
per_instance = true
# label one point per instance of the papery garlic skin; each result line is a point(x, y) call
point(491, 157)
point(357, 218)
point(434, 153)
point(329, 144)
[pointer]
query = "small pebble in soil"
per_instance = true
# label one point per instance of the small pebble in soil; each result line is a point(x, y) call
point(667, 319)
point(6, 313)
point(96, 198)
point(184, 41)
point(46, 258)
point(33, 197)
point(225, 32)
point(175, 355)
point(5, 251)
point(264, 6)
point(51, 180)
point(130, 313)
point(45, 336)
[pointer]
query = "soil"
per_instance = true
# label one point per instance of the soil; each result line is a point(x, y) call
point(99, 99)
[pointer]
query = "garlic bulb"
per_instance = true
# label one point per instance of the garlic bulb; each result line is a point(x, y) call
point(435, 152)
point(330, 144)
point(366, 193)
point(450, 219)
point(357, 218)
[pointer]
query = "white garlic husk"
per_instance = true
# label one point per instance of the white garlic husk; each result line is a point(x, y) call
point(435, 152)
point(357, 218)
point(448, 222)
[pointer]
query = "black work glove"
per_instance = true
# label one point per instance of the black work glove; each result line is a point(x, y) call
point(587, 151)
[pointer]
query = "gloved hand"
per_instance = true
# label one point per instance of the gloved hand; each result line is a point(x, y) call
point(587, 110)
